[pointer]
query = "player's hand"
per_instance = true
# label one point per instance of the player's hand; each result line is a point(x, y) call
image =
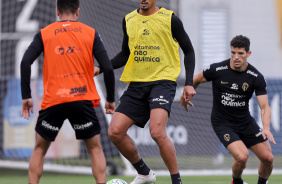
point(267, 133)
point(188, 93)
point(184, 103)
point(27, 107)
point(96, 71)
point(110, 107)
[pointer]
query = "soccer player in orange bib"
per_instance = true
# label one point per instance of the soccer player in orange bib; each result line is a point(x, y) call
point(69, 88)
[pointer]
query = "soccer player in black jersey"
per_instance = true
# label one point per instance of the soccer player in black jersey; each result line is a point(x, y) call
point(152, 64)
point(234, 81)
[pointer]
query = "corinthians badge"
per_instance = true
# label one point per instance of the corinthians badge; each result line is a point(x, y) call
point(245, 86)
point(227, 137)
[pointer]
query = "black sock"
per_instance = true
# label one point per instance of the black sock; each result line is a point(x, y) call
point(262, 181)
point(175, 178)
point(237, 181)
point(141, 167)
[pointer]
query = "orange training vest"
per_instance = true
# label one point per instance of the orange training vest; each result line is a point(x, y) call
point(68, 67)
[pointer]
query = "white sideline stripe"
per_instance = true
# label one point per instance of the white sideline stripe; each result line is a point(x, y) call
point(48, 167)
point(214, 172)
point(88, 171)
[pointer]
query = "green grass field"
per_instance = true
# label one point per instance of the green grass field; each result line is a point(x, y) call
point(8, 176)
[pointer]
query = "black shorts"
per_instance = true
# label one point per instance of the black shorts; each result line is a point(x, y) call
point(250, 133)
point(137, 101)
point(81, 115)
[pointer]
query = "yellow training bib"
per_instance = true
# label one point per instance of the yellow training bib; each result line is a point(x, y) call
point(154, 54)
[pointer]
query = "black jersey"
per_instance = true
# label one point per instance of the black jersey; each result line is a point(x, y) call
point(232, 91)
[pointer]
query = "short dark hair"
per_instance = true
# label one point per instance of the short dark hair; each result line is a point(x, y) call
point(241, 41)
point(67, 6)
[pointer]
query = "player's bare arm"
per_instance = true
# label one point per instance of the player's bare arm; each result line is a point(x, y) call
point(198, 79)
point(266, 117)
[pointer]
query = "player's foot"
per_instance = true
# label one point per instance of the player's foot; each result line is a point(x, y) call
point(233, 183)
point(147, 179)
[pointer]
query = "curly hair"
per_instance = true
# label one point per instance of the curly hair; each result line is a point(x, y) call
point(241, 41)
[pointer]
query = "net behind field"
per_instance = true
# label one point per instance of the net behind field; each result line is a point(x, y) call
point(196, 144)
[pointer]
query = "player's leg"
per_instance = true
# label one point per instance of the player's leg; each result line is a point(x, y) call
point(261, 147)
point(133, 108)
point(98, 161)
point(37, 159)
point(240, 154)
point(85, 123)
point(49, 122)
point(117, 132)
point(264, 153)
point(229, 137)
point(158, 121)
point(161, 99)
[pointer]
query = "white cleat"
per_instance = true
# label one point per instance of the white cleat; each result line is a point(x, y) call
point(145, 179)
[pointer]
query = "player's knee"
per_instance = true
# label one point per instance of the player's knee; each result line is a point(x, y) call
point(242, 159)
point(158, 136)
point(268, 160)
point(42, 150)
point(93, 146)
point(114, 134)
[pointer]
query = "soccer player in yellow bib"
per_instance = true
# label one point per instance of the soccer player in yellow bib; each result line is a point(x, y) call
point(150, 53)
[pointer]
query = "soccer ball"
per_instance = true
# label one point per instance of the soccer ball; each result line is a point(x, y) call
point(116, 181)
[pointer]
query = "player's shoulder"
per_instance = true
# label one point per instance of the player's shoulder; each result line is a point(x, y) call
point(49, 26)
point(131, 15)
point(60, 24)
point(220, 66)
point(165, 12)
point(222, 63)
point(253, 71)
